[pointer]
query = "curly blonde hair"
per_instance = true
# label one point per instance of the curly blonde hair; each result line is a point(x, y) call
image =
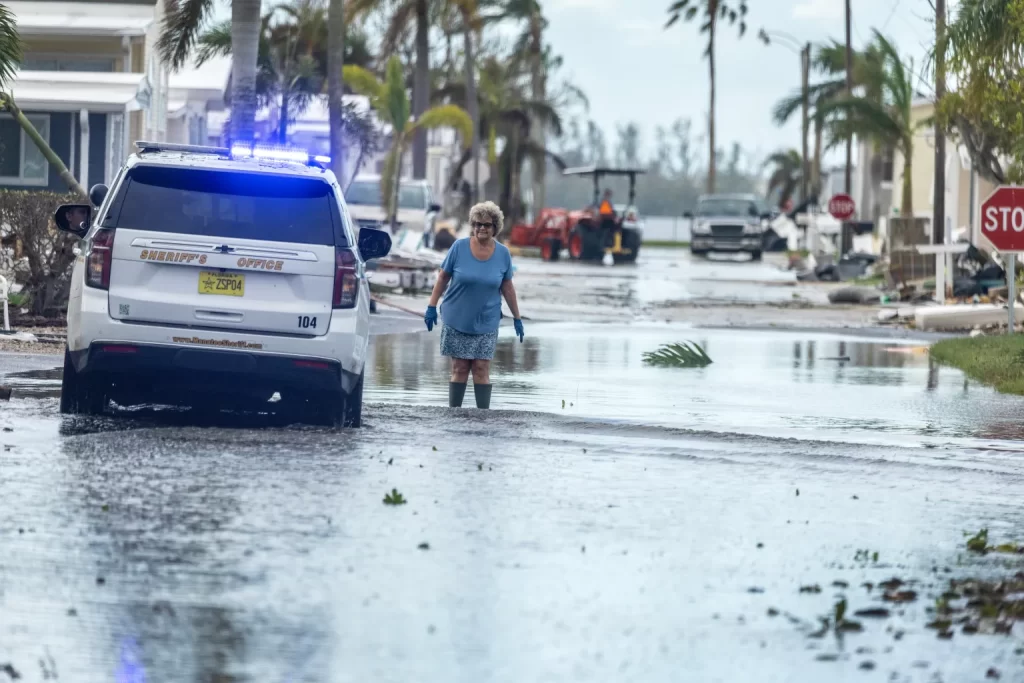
point(487, 212)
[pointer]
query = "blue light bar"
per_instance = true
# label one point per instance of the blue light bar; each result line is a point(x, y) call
point(321, 159)
point(241, 150)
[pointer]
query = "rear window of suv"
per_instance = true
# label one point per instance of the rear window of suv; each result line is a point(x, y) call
point(229, 205)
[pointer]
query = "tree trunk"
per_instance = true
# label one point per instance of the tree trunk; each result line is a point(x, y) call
point(421, 89)
point(472, 106)
point(335, 84)
point(539, 94)
point(712, 161)
point(393, 209)
point(907, 205)
point(245, 40)
point(816, 163)
point(282, 125)
point(51, 157)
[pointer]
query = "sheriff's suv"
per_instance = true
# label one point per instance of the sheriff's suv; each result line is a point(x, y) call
point(219, 278)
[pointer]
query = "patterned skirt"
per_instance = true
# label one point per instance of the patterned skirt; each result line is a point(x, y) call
point(455, 344)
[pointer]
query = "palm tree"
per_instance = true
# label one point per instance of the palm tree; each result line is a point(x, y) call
point(508, 114)
point(882, 113)
point(830, 61)
point(390, 101)
point(404, 13)
point(786, 175)
point(711, 13)
point(529, 48)
point(182, 25)
point(10, 46)
point(336, 85)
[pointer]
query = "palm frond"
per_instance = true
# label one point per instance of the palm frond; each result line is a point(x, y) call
point(10, 46)
point(867, 118)
point(215, 42)
point(448, 116)
point(681, 355)
point(393, 99)
point(183, 20)
point(362, 81)
point(401, 18)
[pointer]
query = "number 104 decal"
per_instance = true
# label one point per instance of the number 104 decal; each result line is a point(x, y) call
point(305, 322)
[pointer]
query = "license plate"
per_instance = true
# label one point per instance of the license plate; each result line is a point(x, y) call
point(226, 284)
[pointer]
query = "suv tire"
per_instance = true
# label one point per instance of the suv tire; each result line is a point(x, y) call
point(346, 410)
point(79, 395)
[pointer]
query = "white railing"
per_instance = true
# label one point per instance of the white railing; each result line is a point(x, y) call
point(5, 289)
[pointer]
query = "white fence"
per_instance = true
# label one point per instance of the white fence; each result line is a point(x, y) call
point(666, 229)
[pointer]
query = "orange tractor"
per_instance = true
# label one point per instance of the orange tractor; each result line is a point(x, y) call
point(586, 234)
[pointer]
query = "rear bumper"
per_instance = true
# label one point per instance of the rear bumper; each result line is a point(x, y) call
point(744, 243)
point(152, 367)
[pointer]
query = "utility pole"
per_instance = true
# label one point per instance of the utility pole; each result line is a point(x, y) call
point(939, 202)
point(849, 93)
point(805, 72)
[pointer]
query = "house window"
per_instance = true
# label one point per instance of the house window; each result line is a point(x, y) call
point(888, 158)
point(21, 162)
point(67, 64)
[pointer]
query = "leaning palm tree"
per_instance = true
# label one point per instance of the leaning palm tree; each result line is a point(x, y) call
point(183, 22)
point(786, 174)
point(402, 15)
point(711, 12)
point(390, 101)
point(886, 119)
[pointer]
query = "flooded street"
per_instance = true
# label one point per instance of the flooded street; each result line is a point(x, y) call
point(607, 522)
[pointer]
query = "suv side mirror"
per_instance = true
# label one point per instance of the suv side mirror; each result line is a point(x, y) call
point(97, 194)
point(374, 244)
point(75, 219)
point(434, 207)
point(688, 214)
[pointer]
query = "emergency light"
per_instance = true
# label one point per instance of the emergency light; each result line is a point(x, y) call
point(241, 150)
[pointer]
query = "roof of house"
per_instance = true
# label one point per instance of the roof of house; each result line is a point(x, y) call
point(108, 18)
point(74, 90)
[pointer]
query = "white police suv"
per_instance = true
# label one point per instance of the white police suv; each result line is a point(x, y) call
point(218, 278)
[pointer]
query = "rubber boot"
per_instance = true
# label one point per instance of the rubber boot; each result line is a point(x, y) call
point(456, 391)
point(483, 395)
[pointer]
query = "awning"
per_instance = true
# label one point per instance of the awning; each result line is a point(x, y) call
point(81, 18)
point(72, 91)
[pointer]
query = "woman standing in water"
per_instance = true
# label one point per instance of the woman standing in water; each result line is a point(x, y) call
point(475, 275)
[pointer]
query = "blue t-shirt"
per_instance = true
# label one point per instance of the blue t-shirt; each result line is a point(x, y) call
point(472, 302)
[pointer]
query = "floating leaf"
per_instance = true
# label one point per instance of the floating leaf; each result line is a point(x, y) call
point(394, 498)
point(680, 355)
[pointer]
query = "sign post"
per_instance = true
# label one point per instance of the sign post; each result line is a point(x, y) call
point(1002, 222)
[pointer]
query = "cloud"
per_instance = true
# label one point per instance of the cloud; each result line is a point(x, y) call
point(818, 9)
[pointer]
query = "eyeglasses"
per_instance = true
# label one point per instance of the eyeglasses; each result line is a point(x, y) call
point(476, 224)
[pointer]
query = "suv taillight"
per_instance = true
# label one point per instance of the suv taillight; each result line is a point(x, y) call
point(346, 279)
point(101, 253)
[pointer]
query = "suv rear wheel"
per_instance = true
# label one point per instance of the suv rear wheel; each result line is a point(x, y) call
point(80, 395)
point(343, 410)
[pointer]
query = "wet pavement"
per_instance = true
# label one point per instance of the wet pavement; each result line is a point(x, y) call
point(656, 526)
point(671, 285)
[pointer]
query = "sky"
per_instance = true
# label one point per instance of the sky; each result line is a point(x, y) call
point(632, 69)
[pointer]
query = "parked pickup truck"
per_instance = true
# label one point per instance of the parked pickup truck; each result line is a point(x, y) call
point(729, 223)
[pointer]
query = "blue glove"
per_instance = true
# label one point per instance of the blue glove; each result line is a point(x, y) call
point(519, 329)
point(430, 317)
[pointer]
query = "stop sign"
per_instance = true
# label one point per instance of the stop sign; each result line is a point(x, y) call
point(1002, 218)
point(842, 207)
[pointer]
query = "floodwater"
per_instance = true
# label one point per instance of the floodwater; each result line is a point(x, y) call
point(646, 529)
